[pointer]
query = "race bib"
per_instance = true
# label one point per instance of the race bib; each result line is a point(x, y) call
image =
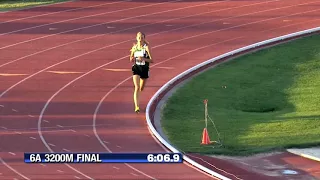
point(140, 62)
point(138, 54)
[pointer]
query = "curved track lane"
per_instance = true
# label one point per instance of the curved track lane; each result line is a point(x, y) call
point(69, 88)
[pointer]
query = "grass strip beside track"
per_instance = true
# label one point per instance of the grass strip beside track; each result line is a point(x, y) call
point(9, 5)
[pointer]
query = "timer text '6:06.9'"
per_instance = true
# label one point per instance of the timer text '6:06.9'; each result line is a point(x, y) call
point(165, 158)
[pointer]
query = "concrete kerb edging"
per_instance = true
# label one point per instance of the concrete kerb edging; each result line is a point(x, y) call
point(165, 87)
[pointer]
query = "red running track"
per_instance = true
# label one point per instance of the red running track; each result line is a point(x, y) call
point(66, 80)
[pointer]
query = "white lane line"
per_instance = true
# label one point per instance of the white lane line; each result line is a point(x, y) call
point(164, 67)
point(30, 132)
point(50, 144)
point(12, 169)
point(63, 72)
point(56, 127)
point(292, 24)
point(58, 12)
point(134, 174)
point(67, 150)
point(12, 153)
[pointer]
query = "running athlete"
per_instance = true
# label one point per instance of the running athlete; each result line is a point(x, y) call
point(141, 56)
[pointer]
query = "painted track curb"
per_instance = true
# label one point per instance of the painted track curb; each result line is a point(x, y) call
point(151, 106)
point(300, 152)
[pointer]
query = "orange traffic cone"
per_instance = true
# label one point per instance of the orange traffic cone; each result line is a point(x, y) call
point(205, 137)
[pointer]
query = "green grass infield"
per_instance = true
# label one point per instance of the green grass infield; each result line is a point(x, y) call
point(263, 101)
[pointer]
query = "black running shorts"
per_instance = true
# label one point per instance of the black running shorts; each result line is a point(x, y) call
point(141, 70)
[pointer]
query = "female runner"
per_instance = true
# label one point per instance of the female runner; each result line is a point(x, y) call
point(141, 56)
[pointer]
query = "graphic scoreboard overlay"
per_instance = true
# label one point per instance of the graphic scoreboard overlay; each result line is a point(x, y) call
point(103, 158)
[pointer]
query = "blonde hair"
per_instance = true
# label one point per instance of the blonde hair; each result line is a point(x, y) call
point(145, 41)
point(144, 36)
